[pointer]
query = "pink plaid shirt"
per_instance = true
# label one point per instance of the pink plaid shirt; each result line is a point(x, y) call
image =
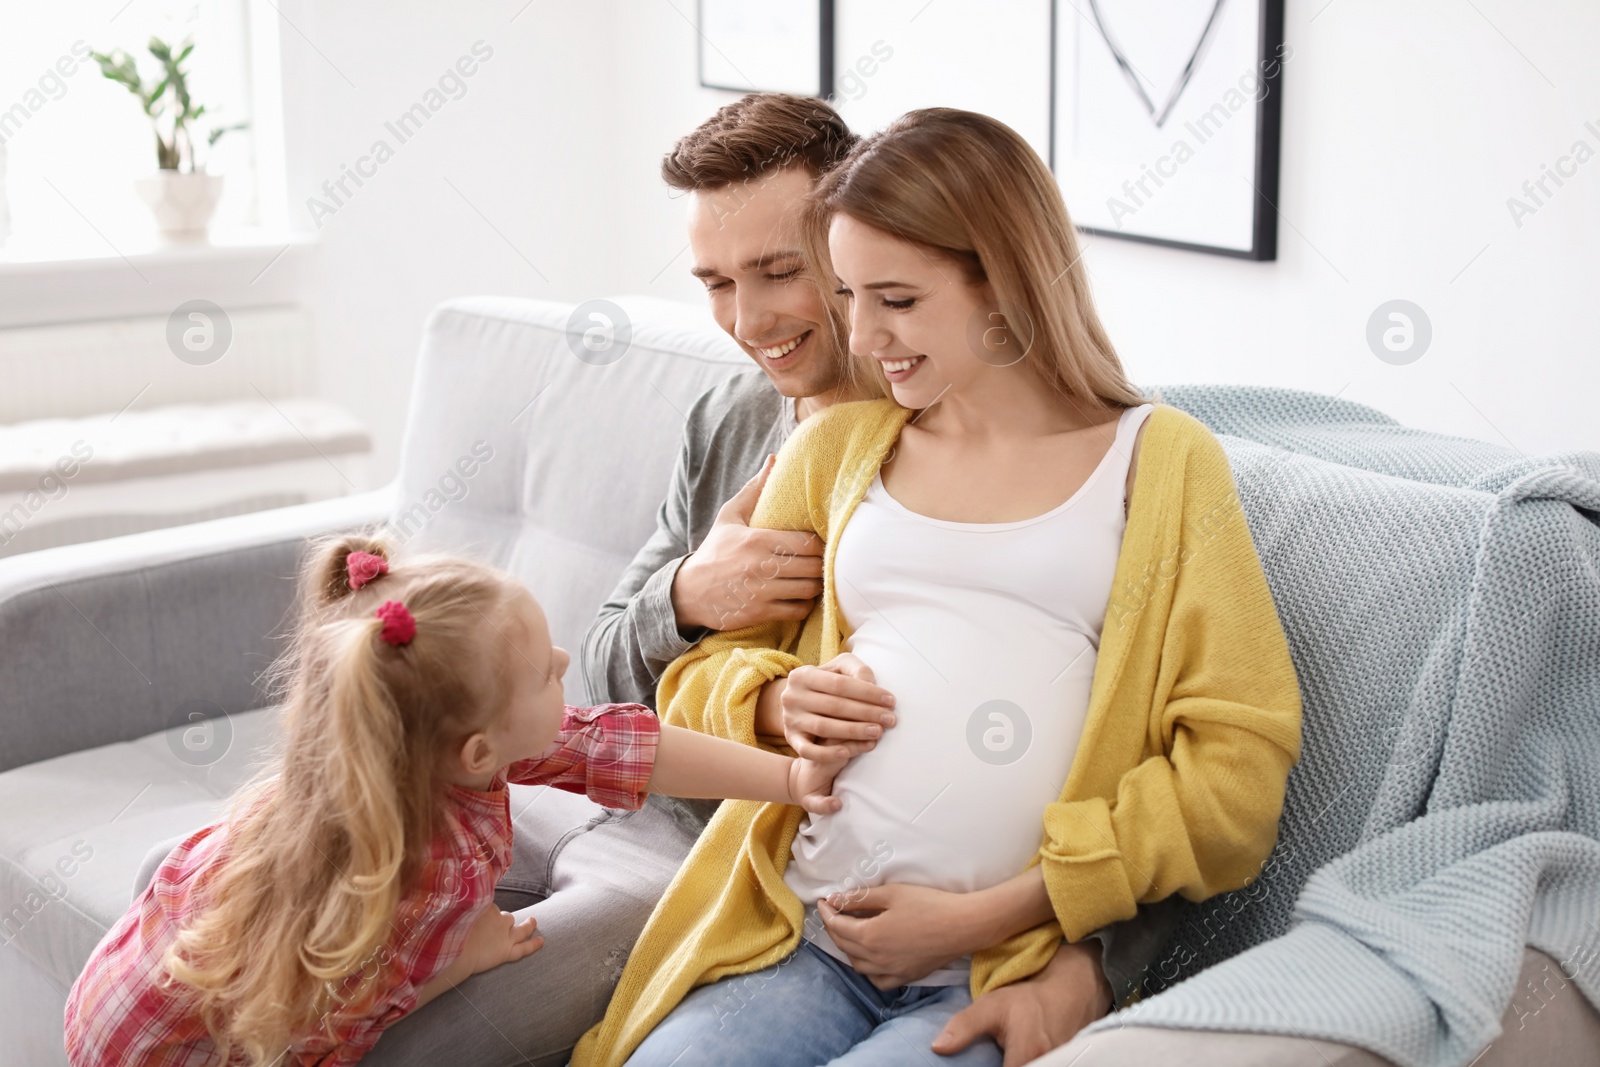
point(117, 1014)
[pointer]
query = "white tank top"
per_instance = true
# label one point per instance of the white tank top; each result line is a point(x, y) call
point(987, 635)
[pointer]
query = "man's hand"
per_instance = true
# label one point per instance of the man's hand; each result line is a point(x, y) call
point(899, 934)
point(1029, 1018)
point(837, 705)
point(741, 575)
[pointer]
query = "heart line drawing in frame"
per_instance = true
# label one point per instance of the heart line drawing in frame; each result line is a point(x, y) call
point(1132, 75)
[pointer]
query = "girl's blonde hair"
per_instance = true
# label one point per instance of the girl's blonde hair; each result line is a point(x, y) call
point(968, 188)
point(322, 847)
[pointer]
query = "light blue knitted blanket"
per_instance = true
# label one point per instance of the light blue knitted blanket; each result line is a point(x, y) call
point(1442, 601)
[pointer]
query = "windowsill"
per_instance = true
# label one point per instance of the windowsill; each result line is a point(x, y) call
point(21, 257)
point(45, 284)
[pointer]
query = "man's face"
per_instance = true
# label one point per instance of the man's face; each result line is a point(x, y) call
point(746, 246)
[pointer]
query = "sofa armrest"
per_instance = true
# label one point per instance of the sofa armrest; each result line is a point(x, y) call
point(111, 640)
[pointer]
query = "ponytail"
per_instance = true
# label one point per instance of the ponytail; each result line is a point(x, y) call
point(363, 795)
point(323, 847)
point(327, 580)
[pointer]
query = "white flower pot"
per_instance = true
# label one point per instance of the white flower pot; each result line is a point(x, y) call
point(182, 203)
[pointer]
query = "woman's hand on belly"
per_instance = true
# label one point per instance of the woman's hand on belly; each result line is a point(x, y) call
point(838, 704)
point(899, 934)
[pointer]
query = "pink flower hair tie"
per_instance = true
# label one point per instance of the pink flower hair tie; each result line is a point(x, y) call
point(399, 627)
point(361, 567)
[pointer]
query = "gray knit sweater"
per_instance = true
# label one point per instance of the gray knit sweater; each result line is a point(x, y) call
point(729, 431)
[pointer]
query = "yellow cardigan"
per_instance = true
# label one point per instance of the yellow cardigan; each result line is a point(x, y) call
point(1178, 782)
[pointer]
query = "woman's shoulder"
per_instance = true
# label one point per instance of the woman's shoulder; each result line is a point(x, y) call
point(1184, 461)
point(821, 455)
point(824, 439)
point(1179, 434)
point(1178, 423)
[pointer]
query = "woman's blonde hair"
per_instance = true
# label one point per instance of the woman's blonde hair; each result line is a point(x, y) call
point(969, 188)
point(322, 847)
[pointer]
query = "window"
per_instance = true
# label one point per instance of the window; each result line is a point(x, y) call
point(75, 141)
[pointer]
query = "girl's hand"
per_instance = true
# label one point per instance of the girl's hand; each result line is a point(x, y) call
point(835, 707)
point(811, 781)
point(899, 934)
point(496, 937)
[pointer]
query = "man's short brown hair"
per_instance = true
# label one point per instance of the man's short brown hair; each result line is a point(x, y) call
point(756, 135)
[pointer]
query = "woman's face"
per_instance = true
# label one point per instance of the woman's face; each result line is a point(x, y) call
point(911, 310)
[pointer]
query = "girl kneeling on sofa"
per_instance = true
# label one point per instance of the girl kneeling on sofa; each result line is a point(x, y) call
point(354, 881)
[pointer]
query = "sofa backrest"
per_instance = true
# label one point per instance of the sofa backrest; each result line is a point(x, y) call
point(541, 438)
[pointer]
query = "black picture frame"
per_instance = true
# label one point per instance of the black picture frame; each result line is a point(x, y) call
point(825, 38)
point(1268, 136)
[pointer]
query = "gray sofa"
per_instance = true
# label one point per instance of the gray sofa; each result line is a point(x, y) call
point(129, 701)
point(130, 706)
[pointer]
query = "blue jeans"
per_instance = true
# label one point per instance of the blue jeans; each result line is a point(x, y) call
point(809, 1010)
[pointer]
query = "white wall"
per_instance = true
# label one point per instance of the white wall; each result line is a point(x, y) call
point(1405, 129)
point(506, 190)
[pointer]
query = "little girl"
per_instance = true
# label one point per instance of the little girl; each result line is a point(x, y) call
point(354, 881)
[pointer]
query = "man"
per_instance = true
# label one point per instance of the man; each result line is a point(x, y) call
point(591, 880)
point(744, 172)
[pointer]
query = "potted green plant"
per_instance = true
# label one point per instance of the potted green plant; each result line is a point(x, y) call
point(181, 195)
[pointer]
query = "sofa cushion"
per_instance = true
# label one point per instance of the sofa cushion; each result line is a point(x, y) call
point(77, 827)
point(580, 449)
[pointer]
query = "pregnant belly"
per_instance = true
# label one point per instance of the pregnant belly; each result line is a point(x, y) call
point(954, 793)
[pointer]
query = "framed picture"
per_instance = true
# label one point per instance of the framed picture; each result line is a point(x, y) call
point(1165, 120)
point(896, 55)
point(767, 46)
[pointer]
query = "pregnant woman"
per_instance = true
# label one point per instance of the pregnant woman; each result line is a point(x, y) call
point(1041, 601)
